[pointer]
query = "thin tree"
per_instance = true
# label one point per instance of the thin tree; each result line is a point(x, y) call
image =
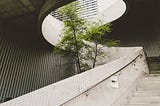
point(76, 34)
point(74, 27)
point(97, 34)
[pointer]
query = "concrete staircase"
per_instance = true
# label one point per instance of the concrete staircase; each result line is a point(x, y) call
point(147, 92)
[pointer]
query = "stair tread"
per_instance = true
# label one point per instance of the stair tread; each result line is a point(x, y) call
point(151, 78)
point(147, 93)
point(148, 85)
point(151, 104)
point(155, 73)
point(145, 100)
point(152, 75)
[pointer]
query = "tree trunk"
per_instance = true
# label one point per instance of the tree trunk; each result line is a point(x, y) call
point(95, 57)
point(77, 53)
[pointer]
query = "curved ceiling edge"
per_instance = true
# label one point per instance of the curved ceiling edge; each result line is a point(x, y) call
point(51, 27)
point(47, 8)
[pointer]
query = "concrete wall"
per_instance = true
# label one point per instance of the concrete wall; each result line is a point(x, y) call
point(17, 8)
point(27, 61)
point(113, 53)
point(25, 64)
point(140, 26)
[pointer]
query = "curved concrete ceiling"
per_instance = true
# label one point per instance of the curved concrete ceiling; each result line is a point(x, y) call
point(15, 8)
point(25, 13)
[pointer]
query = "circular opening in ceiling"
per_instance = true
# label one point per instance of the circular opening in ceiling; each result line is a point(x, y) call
point(107, 10)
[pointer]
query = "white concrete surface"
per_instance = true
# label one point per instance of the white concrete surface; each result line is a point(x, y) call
point(113, 53)
point(145, 100)
point(52, 29)
point(108, 11)
point(146, 85)
point(91, 88)
point(145, 105)
point(147, 92)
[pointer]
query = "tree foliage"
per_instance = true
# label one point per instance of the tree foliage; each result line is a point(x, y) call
point(97, 34)
point(77, 34)
point(73, 30)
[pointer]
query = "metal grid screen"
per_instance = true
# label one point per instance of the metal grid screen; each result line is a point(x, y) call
point(89, 9)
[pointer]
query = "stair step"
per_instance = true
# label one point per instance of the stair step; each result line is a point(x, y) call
point(147, 93)
point(155, 72)
point(148, 85)
point(145, 100)
point(151, 78)
point(154, 75)
point(151, 104)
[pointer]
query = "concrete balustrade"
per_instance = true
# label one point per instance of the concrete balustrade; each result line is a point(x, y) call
point(94, 87)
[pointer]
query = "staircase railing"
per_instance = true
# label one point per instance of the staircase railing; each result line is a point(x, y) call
point(105, 85)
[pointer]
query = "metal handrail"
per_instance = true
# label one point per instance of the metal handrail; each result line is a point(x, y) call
point(140, 55)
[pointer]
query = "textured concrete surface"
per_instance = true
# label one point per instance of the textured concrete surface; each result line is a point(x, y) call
point(91, 88)
point(28, 14)
point(15, 8)
point(147, 93)
point(18, 8)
